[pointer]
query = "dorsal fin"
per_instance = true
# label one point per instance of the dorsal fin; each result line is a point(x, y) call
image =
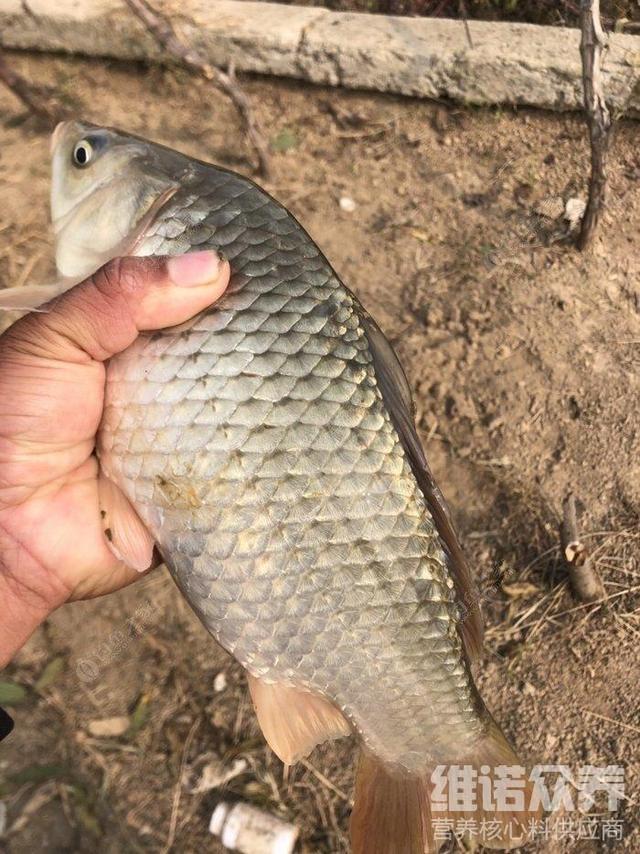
point(294, 721)
point(394, 387)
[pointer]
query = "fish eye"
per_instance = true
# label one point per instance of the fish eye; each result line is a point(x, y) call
point(82, 153)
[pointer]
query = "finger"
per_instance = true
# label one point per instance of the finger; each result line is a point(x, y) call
point(49, 376)
point(103, 316)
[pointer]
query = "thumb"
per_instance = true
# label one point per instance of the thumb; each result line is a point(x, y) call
point(103, 315)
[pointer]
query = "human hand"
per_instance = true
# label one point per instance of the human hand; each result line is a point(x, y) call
point(53, 548)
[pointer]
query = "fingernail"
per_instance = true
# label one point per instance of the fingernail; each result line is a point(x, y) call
point(194, 268)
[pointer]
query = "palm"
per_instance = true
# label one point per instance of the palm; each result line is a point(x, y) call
point(49, 501)
point(56, 509)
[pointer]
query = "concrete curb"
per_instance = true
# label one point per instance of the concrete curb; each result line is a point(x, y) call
point(431, 58)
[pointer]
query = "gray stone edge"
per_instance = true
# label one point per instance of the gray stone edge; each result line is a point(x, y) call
point(517, 64)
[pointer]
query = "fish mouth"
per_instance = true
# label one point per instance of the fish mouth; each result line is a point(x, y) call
point(57, 134)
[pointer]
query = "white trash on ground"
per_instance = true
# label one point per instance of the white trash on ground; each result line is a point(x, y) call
point(242, 827)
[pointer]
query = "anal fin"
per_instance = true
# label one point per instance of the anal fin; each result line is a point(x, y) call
point(294, 721)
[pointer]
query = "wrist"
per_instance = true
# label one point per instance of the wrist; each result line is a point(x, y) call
point(28, 595)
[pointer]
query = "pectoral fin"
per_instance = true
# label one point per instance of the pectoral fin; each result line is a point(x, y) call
point(126, 536)
point(294, 721)
point(32, 297)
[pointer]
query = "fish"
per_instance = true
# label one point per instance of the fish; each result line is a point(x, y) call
point(269, 447)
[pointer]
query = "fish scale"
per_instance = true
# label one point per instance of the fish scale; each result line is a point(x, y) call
point(284, 505)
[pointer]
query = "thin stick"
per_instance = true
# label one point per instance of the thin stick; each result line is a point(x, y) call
point(588, 604)
point(463, 12)
point(585, 581)
point(611, 720)
point(325, 780)
point(32, 97)
point(162, 30)
point(175, 805)
point(592, 46)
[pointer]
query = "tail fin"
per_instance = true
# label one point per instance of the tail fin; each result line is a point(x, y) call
point(391, 812)
point(396, 813)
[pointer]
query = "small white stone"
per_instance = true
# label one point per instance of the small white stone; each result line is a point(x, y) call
point(220, 682)
point(347, 204)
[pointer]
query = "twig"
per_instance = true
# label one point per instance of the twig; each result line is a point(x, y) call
point(325, 780)
point(592, 46)
point(589, 604)
point(162, 30)
point(40, 798)
point(611, 720)
point(585, 581)
point(463, 13)
point(175, 806)
point(36, 100)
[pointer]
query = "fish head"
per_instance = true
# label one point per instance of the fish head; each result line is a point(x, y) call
point(106, 189)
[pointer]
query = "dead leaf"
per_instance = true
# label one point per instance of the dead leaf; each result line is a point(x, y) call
point(551, 207)
point(215, 773)
point(520, 589)
point(419, 234)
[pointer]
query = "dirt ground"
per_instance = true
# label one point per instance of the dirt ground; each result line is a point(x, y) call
point(523, 356)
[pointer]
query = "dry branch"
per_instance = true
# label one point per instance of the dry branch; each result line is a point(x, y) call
point(162, 30)
point(35, 99)
point(585, 581)
point(462, 7)
point(592, 46)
